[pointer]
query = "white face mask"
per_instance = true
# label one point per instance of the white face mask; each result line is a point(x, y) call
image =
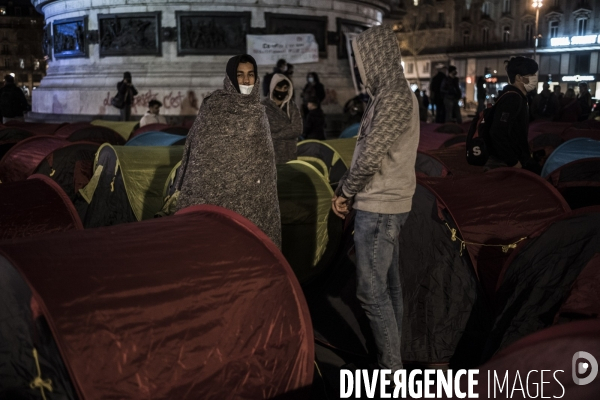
point(246, 89)
point(533, 83)
point(311, 79)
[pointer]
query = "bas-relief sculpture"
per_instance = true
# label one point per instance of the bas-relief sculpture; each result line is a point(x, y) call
point(129, 34)
point(69, 37)
point(212, 33)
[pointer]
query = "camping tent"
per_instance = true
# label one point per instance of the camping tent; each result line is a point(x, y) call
point(159, 309)
point(148, 128)
point(542, 365)
point(123, 128)
point(24, 157)
point(578, 182)
point(430, 165)
point(34, 206)
point(128, 183)
point(572, 132)
point(71, 166)
point(454, 159)
point(538, 276)
point(345, 148)
point(351, 131)
point(310, 231)
point(446, 306)
point(97, 134)
point(11, 136)
point(153, 138)
point(66, 130)
point(322, 150)
point(574, 149)
point(37, 128)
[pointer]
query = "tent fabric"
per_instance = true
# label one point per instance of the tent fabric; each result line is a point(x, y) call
point(450, 128)
point(574, 149)
point(322, 150)
point(98, 134)
point(71, 167)
point(310, 231)
point(552, 350)
point(457, 140)
point(21, 330)
point(510, 204)
point(572, 133)
point(33, 207)
point(24, 157)
point(176, 130)
point(318, 164)
point(148, 128)
point(549, 127)
point(66, 130)
point(123, 128)
point(137, 172)
point(578, 182)
point(455, 160)
point(543, 140)
point(153, 138)
point(584, 299)
point(430, 140)
point(14, 134)
point(345, 148)
point(538, 276)
point(351, 131)
point(37, 128)
point(176, 315)
point(430, 165)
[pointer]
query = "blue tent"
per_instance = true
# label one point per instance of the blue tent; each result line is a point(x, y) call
point(350, 131)
point(572, 150)
point(155, 138)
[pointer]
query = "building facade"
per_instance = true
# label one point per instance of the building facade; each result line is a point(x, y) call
point(21, 32)
point(479, 35)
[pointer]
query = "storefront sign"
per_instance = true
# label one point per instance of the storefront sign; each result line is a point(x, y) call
point(578, 78)
point(574, 41)
point(294, 48)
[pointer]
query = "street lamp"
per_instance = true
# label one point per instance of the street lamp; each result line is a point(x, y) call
point(537, 4)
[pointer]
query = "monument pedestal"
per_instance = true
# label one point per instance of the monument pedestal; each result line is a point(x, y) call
point(177, 51)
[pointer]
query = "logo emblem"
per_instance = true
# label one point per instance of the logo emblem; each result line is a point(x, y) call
point(581, 368)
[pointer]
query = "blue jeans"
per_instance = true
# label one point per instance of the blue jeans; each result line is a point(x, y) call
point(379, 290)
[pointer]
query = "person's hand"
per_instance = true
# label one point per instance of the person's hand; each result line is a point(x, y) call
point(518, 165)
point(341, 206)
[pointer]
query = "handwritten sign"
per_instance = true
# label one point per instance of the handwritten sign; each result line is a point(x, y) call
point(295, 48)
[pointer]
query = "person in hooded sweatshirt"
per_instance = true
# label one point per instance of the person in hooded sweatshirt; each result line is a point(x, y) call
point(228, 159)
point(380, 185)
point(285, 121)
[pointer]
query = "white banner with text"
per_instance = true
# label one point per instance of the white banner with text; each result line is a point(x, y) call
point(299, 48)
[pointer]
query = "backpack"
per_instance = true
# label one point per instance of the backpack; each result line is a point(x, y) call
point(477, 149)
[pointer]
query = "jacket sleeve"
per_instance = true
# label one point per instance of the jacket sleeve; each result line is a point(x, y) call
point(23, 100)
point(503, 128)
point(379, 140)
point(320, 92)
point(296, 118)
point(134, 90)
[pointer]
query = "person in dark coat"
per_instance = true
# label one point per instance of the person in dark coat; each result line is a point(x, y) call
point(585, 101)
point(435, 88)
point(13, 103)
point(280, 68)
point(228, 159)
point(314, 122)
point(507, 142)
point(127, 91)
point(285, 121)
point(452, 94)
point(481, 94)
point(313, 88)
point(570, 107)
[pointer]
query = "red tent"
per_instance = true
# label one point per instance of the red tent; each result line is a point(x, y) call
point(66, 130)
point(572, 132)
point(584, 299)
point(454, 159)
point(35, 206)
point(499, 207)
point(24, 157)
point(199, 305)
point(97, 134)
point(37, 128)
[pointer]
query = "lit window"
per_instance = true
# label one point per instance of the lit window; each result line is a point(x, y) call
point(409, 68)
point(33, 21)
point(2, 10)
point(426, 68)
point(506, 34)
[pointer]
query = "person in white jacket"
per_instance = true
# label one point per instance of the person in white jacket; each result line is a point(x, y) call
point(152, 115)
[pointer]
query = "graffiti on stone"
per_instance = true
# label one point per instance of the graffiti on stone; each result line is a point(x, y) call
point(173, 102)
point(212, 33)
point(69, 38)
point(129, 34)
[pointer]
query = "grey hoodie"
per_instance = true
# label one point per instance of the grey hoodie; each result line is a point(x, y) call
point(285, 122)
point(382, 175)
point(228, 159)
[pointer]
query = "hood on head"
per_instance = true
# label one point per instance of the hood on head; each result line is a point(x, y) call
point(378, 58)
point(276, 79)
point(231, 69)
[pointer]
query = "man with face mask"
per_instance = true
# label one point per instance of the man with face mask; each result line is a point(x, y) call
point(507, 142)
point(285, 121)
point(228, 160)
